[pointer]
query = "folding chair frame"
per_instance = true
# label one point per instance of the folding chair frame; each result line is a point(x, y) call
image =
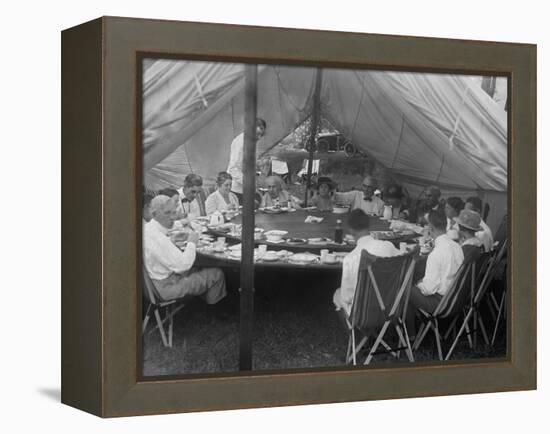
point(445, 306)
point(391, 318)
point(155, 307)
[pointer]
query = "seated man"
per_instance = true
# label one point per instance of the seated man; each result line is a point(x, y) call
point(431, 202)
point(358, 222)
point(191, 202)
point(276, 196)
point(364, 199)
point(146, 198)
point(170, 269)
point(441, 268)
point(485, 234)
point(468, 223)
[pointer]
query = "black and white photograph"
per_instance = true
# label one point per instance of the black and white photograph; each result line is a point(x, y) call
point(306, 217)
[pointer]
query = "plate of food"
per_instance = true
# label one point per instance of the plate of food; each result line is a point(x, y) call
point(275, 235)
point(270, 256)
point(296, 241)
point(303, 258)
point(319, 241)
point(274, 209)
point(340, 209)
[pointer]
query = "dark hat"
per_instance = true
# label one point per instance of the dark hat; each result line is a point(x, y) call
point(393, 192)
point(469, 219)
point(325, 180)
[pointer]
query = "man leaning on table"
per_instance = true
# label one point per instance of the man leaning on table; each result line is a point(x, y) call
point(441, 267)
point(358, 223)
point(170, 269)
point(363, 199)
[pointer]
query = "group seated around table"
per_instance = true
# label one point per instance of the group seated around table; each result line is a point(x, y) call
point(358, 223)
point(222, 199)
point(442, 264)
point(172, 270)
point(276, 196)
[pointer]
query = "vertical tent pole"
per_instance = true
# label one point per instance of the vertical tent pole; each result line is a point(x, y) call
point(247, 264)
point(314, 126)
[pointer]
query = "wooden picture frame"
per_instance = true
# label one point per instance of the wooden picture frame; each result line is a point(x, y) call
point(101, 224)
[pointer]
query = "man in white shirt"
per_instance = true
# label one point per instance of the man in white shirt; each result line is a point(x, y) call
point(235, 165)
point(485, 235)
point(441, 268)
point(170, 269)
point(191, 203)
point(363, 199)
point(358, 223)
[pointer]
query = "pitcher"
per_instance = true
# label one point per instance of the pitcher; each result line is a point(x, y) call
point(388, 212)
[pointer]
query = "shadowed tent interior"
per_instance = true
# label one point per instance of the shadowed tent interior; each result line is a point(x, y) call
point(425, 128)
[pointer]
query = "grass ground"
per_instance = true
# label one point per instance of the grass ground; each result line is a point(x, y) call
point(295, 326)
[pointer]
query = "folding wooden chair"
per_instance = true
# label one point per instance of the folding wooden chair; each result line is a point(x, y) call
point(482, 272)
point(490, 296)
point(163, 311)
point(382, 288)
point(451, 305)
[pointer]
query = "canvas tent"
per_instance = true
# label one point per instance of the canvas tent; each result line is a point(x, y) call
point(424, 128)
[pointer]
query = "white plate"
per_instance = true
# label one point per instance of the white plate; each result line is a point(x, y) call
point(270, 258)
point(303, 258)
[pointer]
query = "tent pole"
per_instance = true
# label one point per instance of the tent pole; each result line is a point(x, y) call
point(247, 264)
point(314, 127)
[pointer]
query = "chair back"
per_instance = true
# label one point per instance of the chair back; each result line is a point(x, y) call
point(488, 275)
point(150, 292)
point(461, 289)
point(382, 287)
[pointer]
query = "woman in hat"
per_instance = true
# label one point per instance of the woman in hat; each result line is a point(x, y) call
point(324, 196)
point(394, 197)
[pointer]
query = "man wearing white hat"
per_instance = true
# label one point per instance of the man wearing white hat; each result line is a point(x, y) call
point(469, 222)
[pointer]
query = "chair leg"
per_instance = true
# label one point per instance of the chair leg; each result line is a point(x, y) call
point(482, 327)
point(422, 334)
point(460, 331)
point(377, 342)
point(404, 340)
point(438, 340)
point(452, 327)
point(353, 354)
point(169, 312)
point(161, 328)
point(501, 308)
point(469, 336)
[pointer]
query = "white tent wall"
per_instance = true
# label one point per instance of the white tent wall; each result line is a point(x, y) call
point(284, 99)
point(424, 128)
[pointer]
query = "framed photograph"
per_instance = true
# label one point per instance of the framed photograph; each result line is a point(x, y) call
point(261, 217)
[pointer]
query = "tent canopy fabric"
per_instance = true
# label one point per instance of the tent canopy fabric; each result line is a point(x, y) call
point(425, 128)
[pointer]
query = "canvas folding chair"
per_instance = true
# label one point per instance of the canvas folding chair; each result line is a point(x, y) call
point(450, 306)
point(490, 296)
point(163, 311)
point(482, 271)
point(382, 288)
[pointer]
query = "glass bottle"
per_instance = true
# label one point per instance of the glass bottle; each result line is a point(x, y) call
point(338, 232)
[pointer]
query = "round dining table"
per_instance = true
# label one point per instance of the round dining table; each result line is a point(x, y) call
point(302, 237)
point(314, 236)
